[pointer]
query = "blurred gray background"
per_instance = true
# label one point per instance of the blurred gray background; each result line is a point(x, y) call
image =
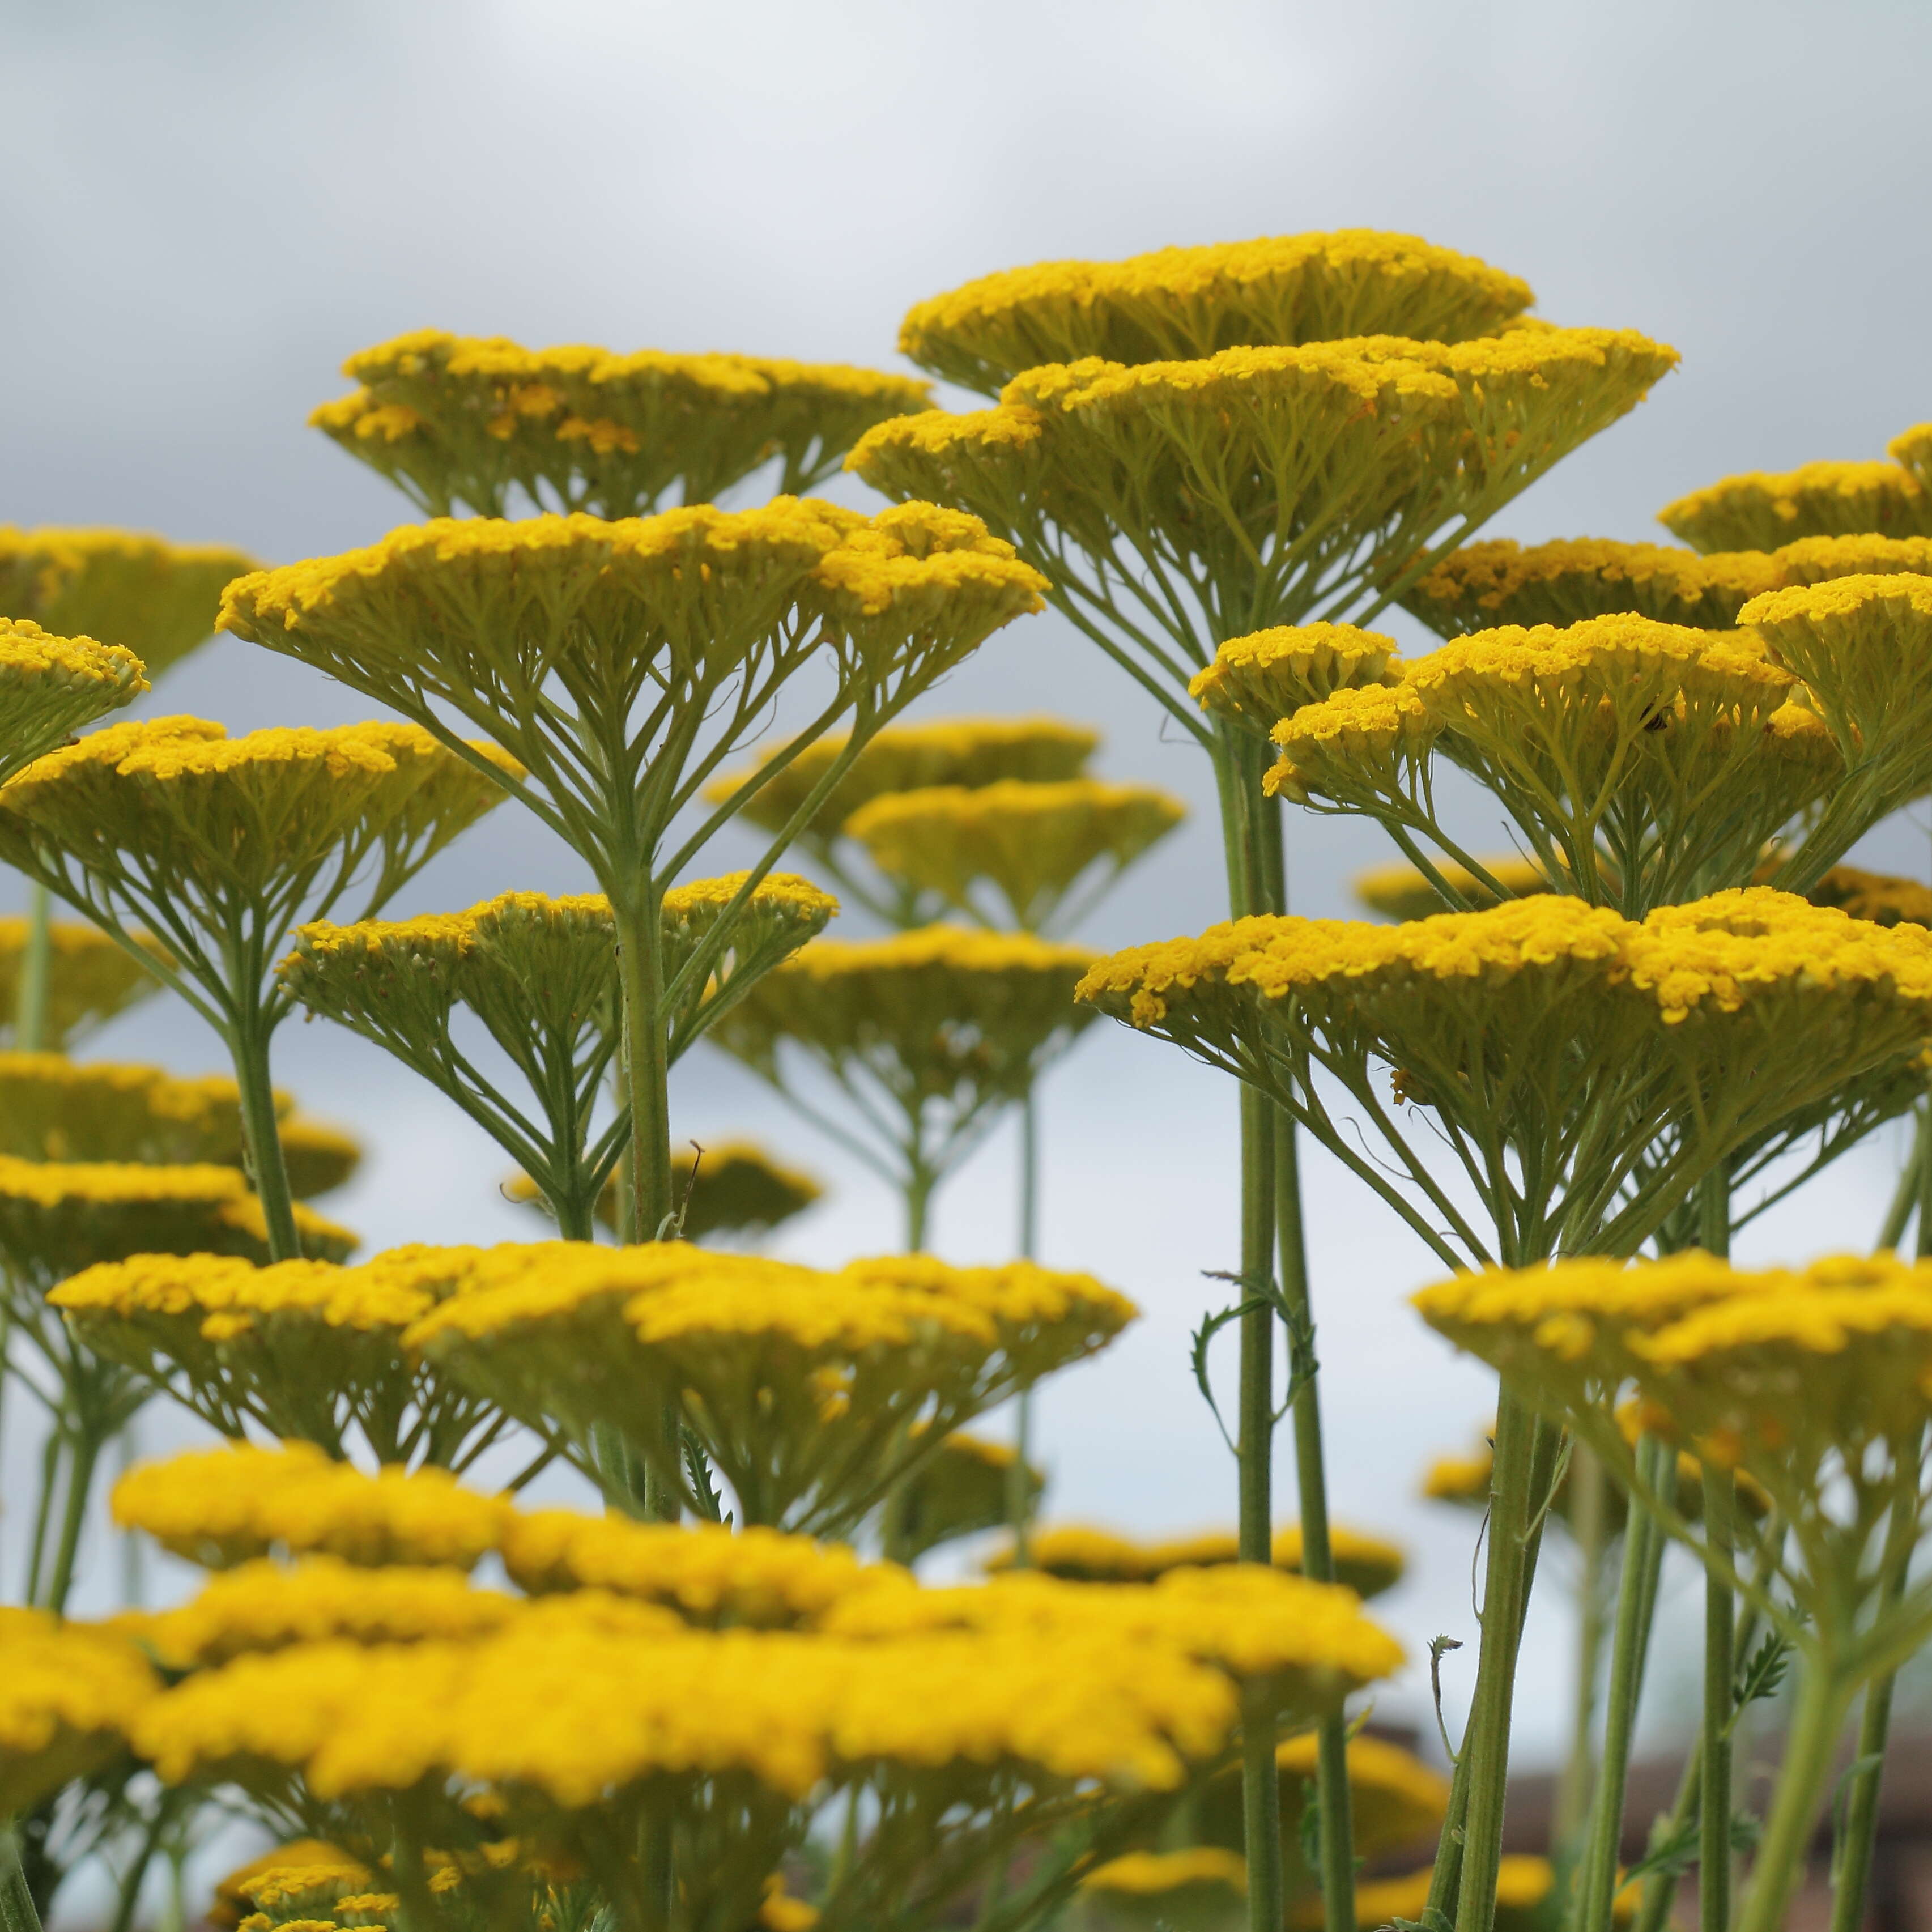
point(207, 205)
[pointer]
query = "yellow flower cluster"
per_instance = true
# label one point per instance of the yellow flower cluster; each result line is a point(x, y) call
point(907, 758)
point(940, 1008)
point(1504, 582)
point(50, 686)
point(1032, 843)
point(1401, 891)
point(1874, 896)
point(1079, 1553)
point(482, 420)
point(91, 976)
point(1912, 447)
point(69, 1693)
point(1271, 674)
point(1523, 1883)
point(1191, 301)
point(54, 1109)
point(59, 1216)
point(1814, 559)
point(156, 599)
point(1761, 510)
point(734, 1187)
point(220, 1506)
point(1162, 1874)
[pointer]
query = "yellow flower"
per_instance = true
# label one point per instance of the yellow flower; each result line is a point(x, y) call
point(91, 978)
point(156, 599)
point(225, 1506)
point(1874, 896)
point(801, 1385)
point(57, 1109)
point(1192, 301)
point(963, 1486)
point(1032, 843)
point(1366, 1564)
point(69, 1693)
point(1270, 674)
point(1402, 892)
point(1760, 510)
point(50, 686)
point(278, 1869)
point(1504, 582)
point(1913, 449)
point(1816, 559)
point(1523, 1884)
point(484, 422)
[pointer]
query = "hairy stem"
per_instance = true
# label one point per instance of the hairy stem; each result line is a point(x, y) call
point(248, 1038)
point(30, 1013)
point(1822, 1697)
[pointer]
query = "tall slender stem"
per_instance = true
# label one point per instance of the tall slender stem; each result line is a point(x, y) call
point(1630, 1644)
point(85, 1454)
point(1505, 1593)
point(1589, 1496)
point(248, 1044)
point(1019, 1478)
point(1714, 1774)
point(1822, 1697)
point(16, 1902)
point(30, 1014)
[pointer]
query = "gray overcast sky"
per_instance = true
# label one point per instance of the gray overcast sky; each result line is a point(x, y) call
point(206, 206)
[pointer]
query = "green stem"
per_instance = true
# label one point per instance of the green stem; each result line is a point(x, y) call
point(85, 1454)
point(1822, 1697)
point(1854, 1860)
point(248, 1045)
point(1660, 1889)
point(919, 1187)
point(1505, 1593)
point(16, 1902)
point(1905, 1198)
point(30, 1014)
point(1337, 1849)
point(37, 1548)
point(1019, 1485)
point(1714, 1775)
point(1589, 1496)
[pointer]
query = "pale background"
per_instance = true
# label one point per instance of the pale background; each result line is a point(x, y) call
point(206, 206)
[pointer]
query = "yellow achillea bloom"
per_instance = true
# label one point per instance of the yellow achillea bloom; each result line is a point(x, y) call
point(480, 421)
point(50, 686)
point(1204, 1886)
point(1523, 1884)
point(54, 1109)
point(1262, 481)
point(308, 1350)
point(1504, 582)
point(1642, 761)
point(1078, 1553)
point(801, 1385)
point(1874, 896)
point(1761, 509)
point(221, 1507)
point(1816, 559)
point(277, 1871)
point(1912, 447)
point(1178, 302)
point(91, 979)
point(964, 1487)
point(1269, 674)
point(733, 1188)
point(1860, 644)
point(541, 974)
point(1031, 843)
point(1532, 1024)
point(930, 1032)
point(1402, 892)
point(220, 844)
point(155, 599)
point(59, 1216)
point(621, 663)
point(69, 1693)
point(709, 1575)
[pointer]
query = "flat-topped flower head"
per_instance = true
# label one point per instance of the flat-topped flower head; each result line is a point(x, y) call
point(57, 1109)
point(69, 1693)
point(1523, 1886)
point(1533, 1024)
point(1913, 448)
point(907, 757)
point(156, 599)
point(733, 1188)
point(50, 686)
point(486, 424)
point(1186, 301)
point(310, 1351)
point(1366, 1564)
point(1878, 896)
point(1861, 644)
point(1256, 485)
point(1817, 559)
point(1502, 582)
point(1030, 844)
point(58, 1217)
point(1641, 761)
point(221, 1507)
point(931, 1032)
point(1402, 891)
point(1269, 675)
point(91, 978)
point(964, 1487)
point(1761, 509)
point(1395, 1800)
point(801, 1385)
